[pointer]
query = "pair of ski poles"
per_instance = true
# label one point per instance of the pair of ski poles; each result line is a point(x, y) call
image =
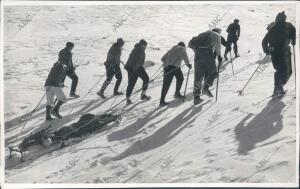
point(241, 92)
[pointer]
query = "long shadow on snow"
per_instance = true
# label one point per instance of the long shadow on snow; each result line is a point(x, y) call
point(66, 119)
point(135, 128)
point(164, 134)
point(263, 126)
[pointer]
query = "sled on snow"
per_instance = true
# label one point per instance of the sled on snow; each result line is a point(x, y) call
point(55, 139)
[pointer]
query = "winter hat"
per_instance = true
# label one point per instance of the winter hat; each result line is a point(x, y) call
point(120, 41)
point(181, 44)
point(143, 42)
point(218, 30)
point(69, 44)
point(281, 17)
point(236, 20)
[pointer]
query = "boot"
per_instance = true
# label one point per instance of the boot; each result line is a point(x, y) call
point(55, 111)
point(118, 93)
point(73, 95)
point(163, 103)
point(197, 100)
point(237, 55)
point(145, 97)
point(178, 95)
point(207, 92)
point(48, 114)
point(278, 91)
point(128, 101)
point(101, 94)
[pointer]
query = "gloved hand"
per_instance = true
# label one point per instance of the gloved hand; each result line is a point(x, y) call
point(293, 43)
point(267, 52)
point(189, 66)
point(220, 59)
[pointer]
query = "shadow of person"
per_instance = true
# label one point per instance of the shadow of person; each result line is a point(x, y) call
point(165, 133)
point(134, 128)
point(263, 126)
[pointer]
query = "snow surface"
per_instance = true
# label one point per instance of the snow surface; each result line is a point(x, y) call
point(236, 139)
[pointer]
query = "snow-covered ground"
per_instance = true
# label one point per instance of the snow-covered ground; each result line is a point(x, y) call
point(236, 139)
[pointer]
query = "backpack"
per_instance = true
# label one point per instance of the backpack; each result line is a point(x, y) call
point(202, 40)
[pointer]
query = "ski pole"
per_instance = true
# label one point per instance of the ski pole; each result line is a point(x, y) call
point(231, 63)
point(240, 92)
point(217, 87)
point(152, 80)
point(187, 79)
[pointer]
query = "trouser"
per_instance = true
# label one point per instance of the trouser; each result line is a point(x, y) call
point(231, 41)
point(54, 91)
point(72, 75)
point(132, 78)
point(110, 73)
point(169, 73)
point(205, 68)
point(282, 63)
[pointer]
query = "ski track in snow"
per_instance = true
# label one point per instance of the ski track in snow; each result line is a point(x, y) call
point(221, 141)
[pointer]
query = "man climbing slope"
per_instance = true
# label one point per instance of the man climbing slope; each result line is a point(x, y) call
point(172, 67)
point(65, 57)
point(53, 86)
point(112, 65)
point(135, 69)
point(205, 45)
point(276, 43)
point(234, 32)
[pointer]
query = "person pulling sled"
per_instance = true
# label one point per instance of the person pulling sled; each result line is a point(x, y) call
point(135, 69)
point(112, 65)
point(172, 67)
point(53, 86)
point(234, 32)
point(65, 57)
point(276, 43)
point(205, 45)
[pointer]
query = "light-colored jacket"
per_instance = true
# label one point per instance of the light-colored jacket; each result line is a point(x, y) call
point(208, 39)
point(215, 39)
point(175, 56)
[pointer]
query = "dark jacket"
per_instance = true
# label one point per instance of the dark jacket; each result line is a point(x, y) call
point(56, 75)
point(233, 31)
point(136, 58)
point(113, 56)
point(65, 57)
point(279, 37)
point(223, 41)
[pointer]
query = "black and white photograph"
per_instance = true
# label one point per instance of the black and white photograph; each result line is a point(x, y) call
point(150, 92)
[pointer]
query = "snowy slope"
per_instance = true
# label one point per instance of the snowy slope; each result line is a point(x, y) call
point(223, 141)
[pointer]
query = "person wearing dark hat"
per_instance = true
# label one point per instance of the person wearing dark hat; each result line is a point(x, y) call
point(172, 67)
point(112, 65)
point(233, 31)
point(276, 43)
point(205, 45)
point(53, 86)
point(65, 57)
point(135, 69)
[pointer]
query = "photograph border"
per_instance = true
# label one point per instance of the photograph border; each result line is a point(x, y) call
point(154, 185)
